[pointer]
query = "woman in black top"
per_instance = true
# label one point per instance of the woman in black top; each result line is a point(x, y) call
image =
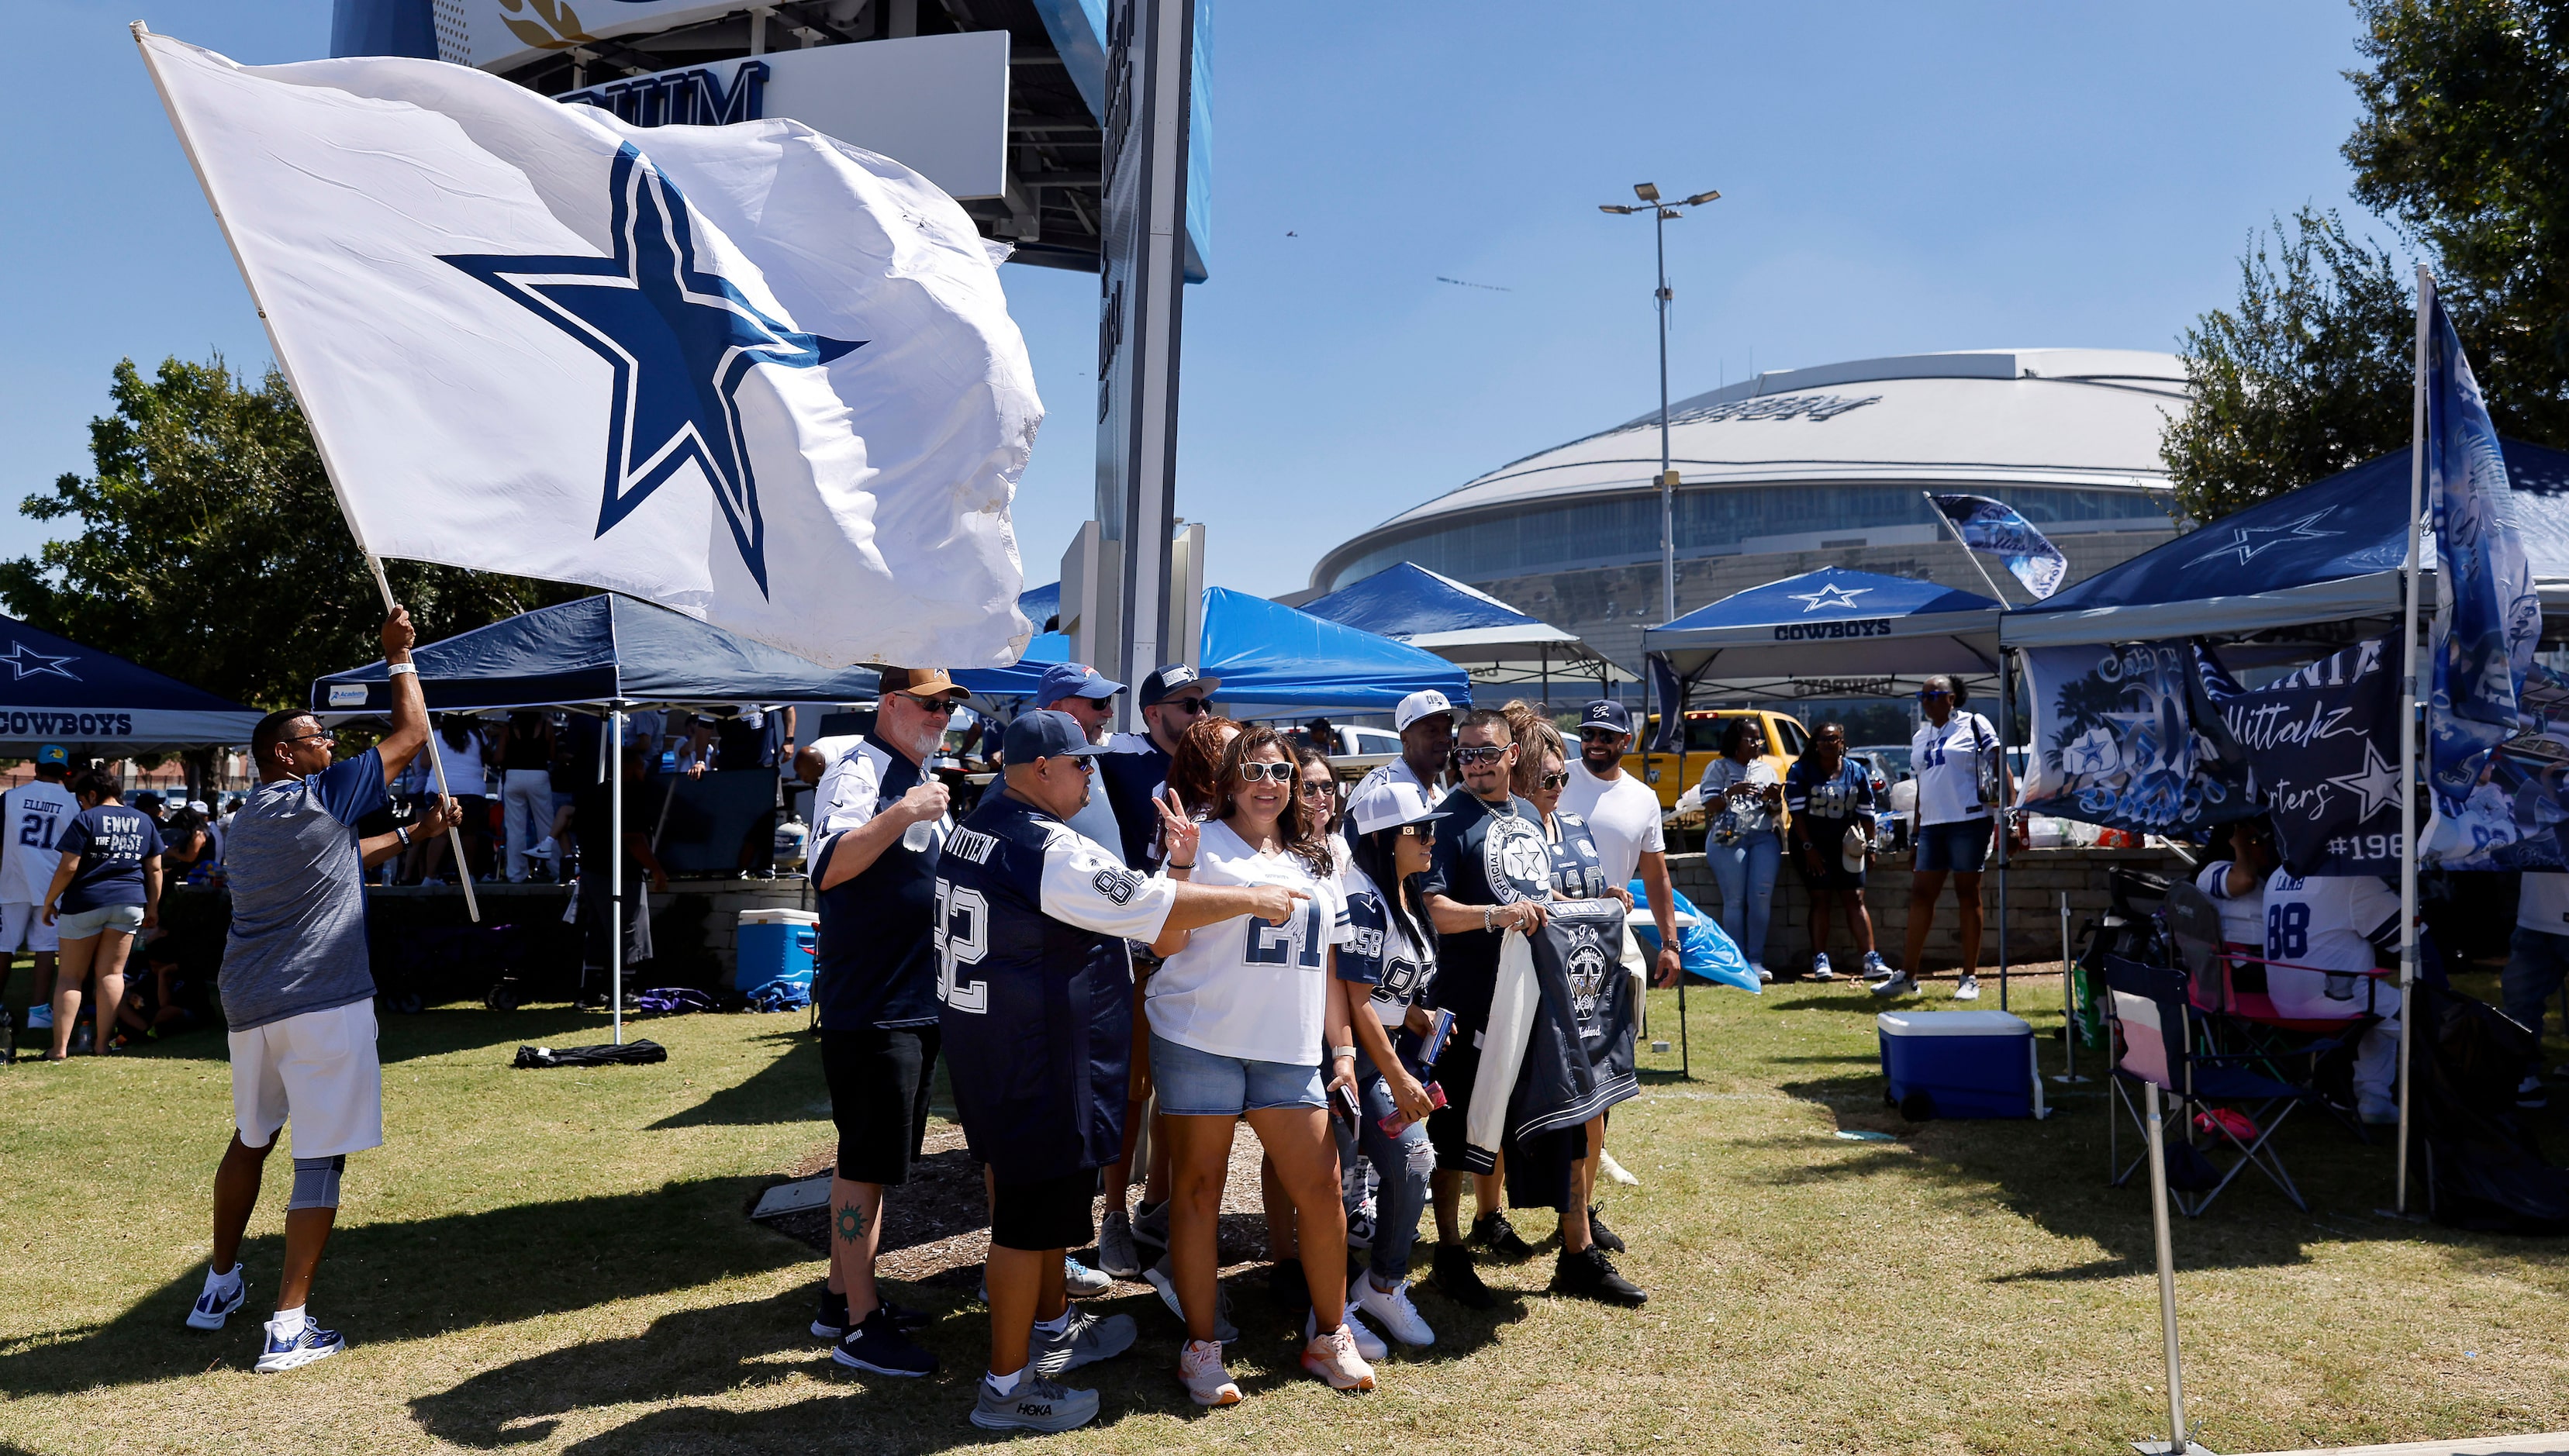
point(525, 787)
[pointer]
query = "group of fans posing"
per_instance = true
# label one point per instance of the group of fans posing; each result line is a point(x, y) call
point(1138, 940)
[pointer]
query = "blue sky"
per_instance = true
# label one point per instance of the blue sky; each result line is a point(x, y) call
point(1895, 179)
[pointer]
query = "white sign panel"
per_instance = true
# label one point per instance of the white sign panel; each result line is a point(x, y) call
point(937, 105)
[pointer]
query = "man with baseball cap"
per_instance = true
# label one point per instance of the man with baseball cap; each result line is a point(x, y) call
point(874, 987)
point(1623, 817)
point(1425, 722)
point(1079, 690)
point(30, 815)
point(1036, 978)
point(1136, 764)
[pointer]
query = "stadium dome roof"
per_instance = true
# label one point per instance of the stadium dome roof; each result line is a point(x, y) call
point(2005, 417)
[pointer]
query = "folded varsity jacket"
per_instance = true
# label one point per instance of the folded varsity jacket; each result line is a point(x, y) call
point(1558, 1049)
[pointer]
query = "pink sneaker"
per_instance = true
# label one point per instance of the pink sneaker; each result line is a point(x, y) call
point(1332, 1356)
point(1207, 1383)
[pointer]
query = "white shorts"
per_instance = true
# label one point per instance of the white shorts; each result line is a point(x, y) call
point(317, 1070)
point(22, 928)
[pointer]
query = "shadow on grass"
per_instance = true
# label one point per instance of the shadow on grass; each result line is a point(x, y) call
point(428, 1276)
point(779, 1091)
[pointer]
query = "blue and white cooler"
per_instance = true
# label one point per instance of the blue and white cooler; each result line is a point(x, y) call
point(775, 948)
point(1961, 1064)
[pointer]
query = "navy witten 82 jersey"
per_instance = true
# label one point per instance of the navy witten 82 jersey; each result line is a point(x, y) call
point(1036, 987)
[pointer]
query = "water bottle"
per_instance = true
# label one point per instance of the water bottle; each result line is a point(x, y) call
point(919, 837)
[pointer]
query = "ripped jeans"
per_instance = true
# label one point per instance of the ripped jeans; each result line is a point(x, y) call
point(1403, 1161)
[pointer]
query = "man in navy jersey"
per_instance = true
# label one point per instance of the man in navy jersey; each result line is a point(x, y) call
point(1136, 764)
point(1036, 983)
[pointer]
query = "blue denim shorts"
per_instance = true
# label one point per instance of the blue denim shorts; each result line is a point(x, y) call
point(1962, 846)
point(89, 924)
point(1194, 1083)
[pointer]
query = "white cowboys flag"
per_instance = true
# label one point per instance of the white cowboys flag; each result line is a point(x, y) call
point(748, 372)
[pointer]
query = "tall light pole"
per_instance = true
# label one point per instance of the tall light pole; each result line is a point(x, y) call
point(1660, 213)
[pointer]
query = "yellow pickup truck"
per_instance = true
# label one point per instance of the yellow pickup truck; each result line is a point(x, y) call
point(1671, 774)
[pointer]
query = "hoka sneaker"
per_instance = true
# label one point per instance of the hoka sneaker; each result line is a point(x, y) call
point(1037, 1405)
point(1207, 1382)
point(285, 1353)
point(1115, 1251)
point(220, 1297)
point(1084, 1341)
point(1332, 1356)
point(1391, 1308)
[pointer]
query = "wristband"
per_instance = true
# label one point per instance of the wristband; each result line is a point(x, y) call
point(402, 829)
point(1189, 865)
point(1336, 1052)
point(398, 668)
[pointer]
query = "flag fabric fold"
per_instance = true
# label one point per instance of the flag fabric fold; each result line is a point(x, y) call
point(2117, 743)
point(1993, 528)
point(748, 372)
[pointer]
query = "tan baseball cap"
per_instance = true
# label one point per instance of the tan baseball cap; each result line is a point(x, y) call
point(922, 682)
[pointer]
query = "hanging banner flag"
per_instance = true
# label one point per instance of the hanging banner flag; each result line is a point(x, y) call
point(2487, 615)
point(1993, 528)
point(2514, 816)
point(749, 371)
point(2320, 749)
point(1670, 696)
point(2117, 742)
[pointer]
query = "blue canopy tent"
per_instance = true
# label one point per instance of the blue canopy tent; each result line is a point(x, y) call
point(2327, 553)
point(99, 705)
point(1493, 640)
point(1846, 626)
point(1273, 661)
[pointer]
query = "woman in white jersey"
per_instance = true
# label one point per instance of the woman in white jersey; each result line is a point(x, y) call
point(1241, 1012)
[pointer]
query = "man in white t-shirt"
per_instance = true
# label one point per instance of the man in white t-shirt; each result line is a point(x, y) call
point(1957, 760)
point(2536, 963)
point(1425, 722)
point(2337, 928)
point(1623, 817)
point(30, 815)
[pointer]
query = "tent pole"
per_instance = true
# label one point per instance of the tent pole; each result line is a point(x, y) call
point(1969, 554)
point(2177, 1443)
point(616, 866)
point(436, 759)
point(2007, 712)
point(2409, 725)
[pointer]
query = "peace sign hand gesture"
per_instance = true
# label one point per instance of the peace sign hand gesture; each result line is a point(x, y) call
point(1177, 829)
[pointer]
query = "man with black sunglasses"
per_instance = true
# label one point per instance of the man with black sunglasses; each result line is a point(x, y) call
point(1135, 765)
point(875, 986)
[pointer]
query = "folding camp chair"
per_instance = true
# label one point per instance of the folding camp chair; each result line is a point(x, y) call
point(2155, 1044)
point(2239, 1019)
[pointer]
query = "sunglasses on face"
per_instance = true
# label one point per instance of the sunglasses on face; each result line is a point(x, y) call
point(932, 707)
point(324, 736)
point(1282, 773)
point(1551, 781)
point(1934, 692)
point(1312, 790)
point(1598, 735)
point(1481, 753)
point(1186, 705)
point(1425, 832)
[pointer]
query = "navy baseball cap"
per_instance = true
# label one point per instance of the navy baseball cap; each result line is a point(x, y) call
point(1607, 713)
point(1073, 680)
point(1049, 733)
point(1168, 681)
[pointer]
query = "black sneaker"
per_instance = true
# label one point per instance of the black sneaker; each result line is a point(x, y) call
point(1456, 1278)
point(1288, 1286)
point(1601, 1235)
point(1493, 1232)
point(879, 1347)
point(829, 1323)
point(1590, 1276)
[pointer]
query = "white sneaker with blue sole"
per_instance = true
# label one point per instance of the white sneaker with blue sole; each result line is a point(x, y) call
point(218, 1301)
point(285, 1352)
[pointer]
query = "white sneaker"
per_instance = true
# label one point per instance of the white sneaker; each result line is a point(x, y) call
point(219, 1299)
point(1368, 1343)
point(1081, 1281)
point(1763, 974)
point(1607, 1165)
point(1820, 968)
point(1392, 1310)
point(285, 1353)
point(1967, 988)
point(1874, 970)
point(1900, 984)
point(1207, 1382)
point(1157, 1275)
point(1115, 1251)
point(40, 1018)
point(1335, 1359)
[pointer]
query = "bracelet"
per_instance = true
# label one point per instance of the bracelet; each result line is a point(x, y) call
point(1485, 918)
point(1189, 865)
point(398, 668)
point(1336, 1052)
point(402, 829)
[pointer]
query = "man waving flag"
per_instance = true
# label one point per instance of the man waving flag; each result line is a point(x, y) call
point(749, 371)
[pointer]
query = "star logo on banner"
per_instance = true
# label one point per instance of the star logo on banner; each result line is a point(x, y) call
point(25, 663)
point(1831, 595)
point(2377, 782)
point(2244, 543)
point(680, 339)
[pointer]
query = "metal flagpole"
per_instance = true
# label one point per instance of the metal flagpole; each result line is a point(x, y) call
point(2409, 727)
point(436, 761)
point(616, 866)
point(2177, 1444)
point(2068, 1019)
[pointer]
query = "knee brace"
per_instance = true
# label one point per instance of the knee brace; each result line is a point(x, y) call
point(316, 1183)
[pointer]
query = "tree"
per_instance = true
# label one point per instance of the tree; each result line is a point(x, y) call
point(2309, 373)
point(2464, 140)
point(211, 549)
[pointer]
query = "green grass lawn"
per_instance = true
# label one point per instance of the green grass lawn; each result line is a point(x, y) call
point(548, 1261)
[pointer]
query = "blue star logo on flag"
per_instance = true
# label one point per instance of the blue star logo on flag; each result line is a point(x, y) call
point(1831, 595)
point(2242, 547)
point(680, 339)
point(2376, 783)
point(25, 662)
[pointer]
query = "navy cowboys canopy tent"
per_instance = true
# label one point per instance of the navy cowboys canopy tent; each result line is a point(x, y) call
point(2327, 553)
point(1409, 603)
point(58, 691)
point(597, 649)
point(1833, 623)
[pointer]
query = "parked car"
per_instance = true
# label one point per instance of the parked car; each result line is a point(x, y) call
point(1671, 774)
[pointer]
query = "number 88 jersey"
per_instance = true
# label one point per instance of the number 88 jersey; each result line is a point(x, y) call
point(1036, 987)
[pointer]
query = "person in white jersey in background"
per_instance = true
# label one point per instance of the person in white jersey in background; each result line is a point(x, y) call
point(30, 815)
point(1961, 785)
point(2236, 885)
point(2334, 929)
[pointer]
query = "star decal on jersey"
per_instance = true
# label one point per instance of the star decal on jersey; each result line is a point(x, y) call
point(1830, 594)
point(2243, 543)
point(680, 339)
point(2377, 782)
point(25, 662)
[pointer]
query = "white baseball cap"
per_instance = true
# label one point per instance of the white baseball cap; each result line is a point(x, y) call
point(1416, 706)
point(1390, 804)
point(1852, 848)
